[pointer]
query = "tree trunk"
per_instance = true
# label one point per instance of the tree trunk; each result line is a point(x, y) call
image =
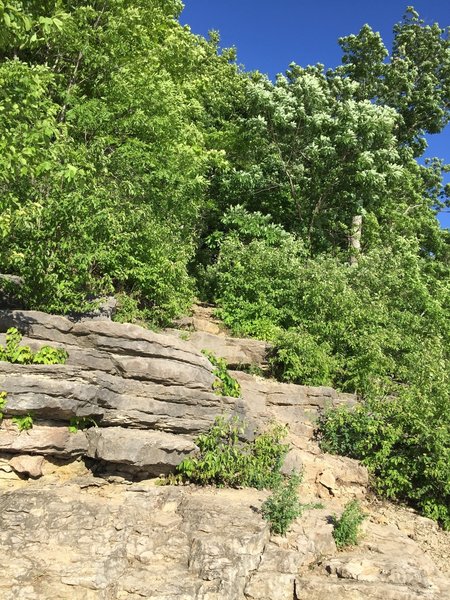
point(355, 239)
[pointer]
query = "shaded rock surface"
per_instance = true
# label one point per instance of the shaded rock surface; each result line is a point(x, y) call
point(85, 530)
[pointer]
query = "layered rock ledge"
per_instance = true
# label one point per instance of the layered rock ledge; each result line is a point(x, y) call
point(81, 516)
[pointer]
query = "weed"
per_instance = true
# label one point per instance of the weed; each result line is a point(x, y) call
point(3, 400)
point(80, 423)
point(346, 528)
point(224, 460)
point(23, 422)
point(284, 506)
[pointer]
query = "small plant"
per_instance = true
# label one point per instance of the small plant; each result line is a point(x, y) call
point(50, 356)
point(224, 460)
point(224, 385)
point(80, 423)
point(14, 353)
point(283, 506)
point(346, 528)
point(23, 422)
point(3, 400)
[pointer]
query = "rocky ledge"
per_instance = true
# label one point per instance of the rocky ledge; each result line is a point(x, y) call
point(81, 516)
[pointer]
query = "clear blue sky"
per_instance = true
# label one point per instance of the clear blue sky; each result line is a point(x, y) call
point(269, 34)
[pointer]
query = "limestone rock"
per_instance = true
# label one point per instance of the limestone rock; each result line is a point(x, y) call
point(235, 351)
point(44, 439)
point(27, 465)
point(156, 452)
point(115, 542)
point(64, 392)
point(73, 534)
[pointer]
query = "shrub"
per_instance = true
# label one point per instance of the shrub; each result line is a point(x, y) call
point(224, 385)
point(298, 358)
point(346, 528)
point(3, 401)
point(14, 353)
point(224, 460)
point(404, 441)
point(283, 506)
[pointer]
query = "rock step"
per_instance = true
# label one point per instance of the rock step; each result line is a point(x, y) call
point(104, 336)
point(237, 352)
point(151, 452)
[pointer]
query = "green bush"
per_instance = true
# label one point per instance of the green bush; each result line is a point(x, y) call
point(346, 528)
point(297, 356)
point(224, 385)
point(224, 460)
point(14, 353)
point(404, 441)
point(283, 506)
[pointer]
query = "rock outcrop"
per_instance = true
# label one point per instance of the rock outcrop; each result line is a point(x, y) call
point(81, 516)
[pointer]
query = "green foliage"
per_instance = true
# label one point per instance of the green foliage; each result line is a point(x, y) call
point(404, 440)
point(23, 422)
point(414, 81)
point(380, 328)
point(81, 423)
point(3, 401)
point(224, 385)
point(283, 506)
point(297, 356)
point(15, 353)
point(346, 528)
point(104, 169)
point(224, 460)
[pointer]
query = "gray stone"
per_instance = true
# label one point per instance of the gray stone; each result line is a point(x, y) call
point(64, 392)
point(156, 452)
point(235, 351)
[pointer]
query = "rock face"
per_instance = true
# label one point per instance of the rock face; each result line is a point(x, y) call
point(87, 538)
point(81, 517)
point(148, 393)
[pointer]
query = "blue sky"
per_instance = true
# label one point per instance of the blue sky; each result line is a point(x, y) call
point(270, 34)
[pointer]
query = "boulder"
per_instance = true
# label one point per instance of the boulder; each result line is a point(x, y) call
point(27, 465)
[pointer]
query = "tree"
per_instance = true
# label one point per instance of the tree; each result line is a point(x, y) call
point(415, 81)
point(119, 98)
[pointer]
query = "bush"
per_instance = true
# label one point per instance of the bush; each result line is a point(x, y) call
point(404, 441)
point(346, 528)
point(3, 401)
point(14, 353)
point(224, 460)
point(224, 385)
point(297, 357)
point(283, 506)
